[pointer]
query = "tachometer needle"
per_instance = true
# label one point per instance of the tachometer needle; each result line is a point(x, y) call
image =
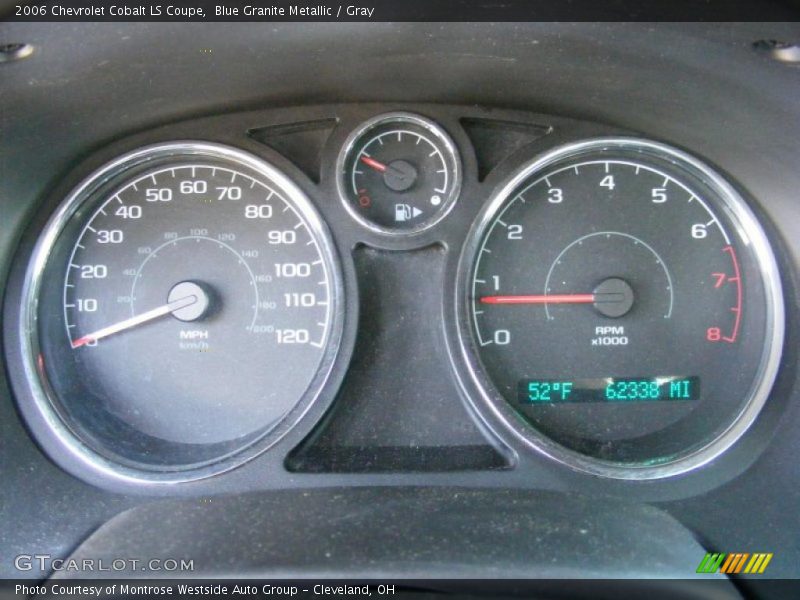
point(540, 299)
point(155, 313)
point(374, 164)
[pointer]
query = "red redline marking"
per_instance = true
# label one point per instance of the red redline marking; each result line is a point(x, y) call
point(738, 308)
point(540, 299)
point(371, 162)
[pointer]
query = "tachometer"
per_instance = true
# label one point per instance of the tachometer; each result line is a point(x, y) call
point(623, 311)
point(182, 307)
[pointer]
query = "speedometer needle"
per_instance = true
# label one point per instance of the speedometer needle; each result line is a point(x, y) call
point(540, 299)
point(155, 313)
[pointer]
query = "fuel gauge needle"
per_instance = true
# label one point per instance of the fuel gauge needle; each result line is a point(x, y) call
point(374, 164)
point(403, 173)
point(155, 313)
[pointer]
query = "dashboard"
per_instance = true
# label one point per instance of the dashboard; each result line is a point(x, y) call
point(534, 267)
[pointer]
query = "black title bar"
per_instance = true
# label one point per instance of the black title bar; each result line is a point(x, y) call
point(402, 10)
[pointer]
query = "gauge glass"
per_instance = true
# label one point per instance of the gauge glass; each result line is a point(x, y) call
point(623, 308)
point(188, 307)
point(399, 173)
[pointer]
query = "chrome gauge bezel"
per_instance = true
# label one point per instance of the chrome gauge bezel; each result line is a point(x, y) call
point(398, 117)
point(41, 405)
point(494, 409)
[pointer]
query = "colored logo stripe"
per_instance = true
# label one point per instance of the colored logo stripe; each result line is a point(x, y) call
point(758, 563)
point(734, 562)
point(710, 563)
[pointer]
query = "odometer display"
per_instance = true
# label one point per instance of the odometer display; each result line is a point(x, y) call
point(187, 309)
point(626, 257)
point(609, 389)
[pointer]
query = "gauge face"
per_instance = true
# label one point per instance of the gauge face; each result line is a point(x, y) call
point(189, 306)
point(624, 308)
point(399, 173)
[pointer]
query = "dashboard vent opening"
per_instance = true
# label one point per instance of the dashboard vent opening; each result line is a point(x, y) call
point(301, 143)
point(494, 140)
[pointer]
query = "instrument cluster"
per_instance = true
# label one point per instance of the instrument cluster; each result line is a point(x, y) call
point(200, 298)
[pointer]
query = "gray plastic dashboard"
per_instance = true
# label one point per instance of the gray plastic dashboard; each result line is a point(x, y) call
point(94, 91)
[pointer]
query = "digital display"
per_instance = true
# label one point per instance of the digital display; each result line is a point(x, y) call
point(609, 389)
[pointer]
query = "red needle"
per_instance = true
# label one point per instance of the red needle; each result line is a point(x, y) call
point(540, 299)
point(371, 162)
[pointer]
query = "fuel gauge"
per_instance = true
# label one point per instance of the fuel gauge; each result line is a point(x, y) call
point(399, 173)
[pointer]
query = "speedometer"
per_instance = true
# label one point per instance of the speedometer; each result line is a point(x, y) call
point(622, 310)
point(183, 310)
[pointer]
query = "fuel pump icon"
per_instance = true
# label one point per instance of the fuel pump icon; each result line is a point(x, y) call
point(404, 212)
